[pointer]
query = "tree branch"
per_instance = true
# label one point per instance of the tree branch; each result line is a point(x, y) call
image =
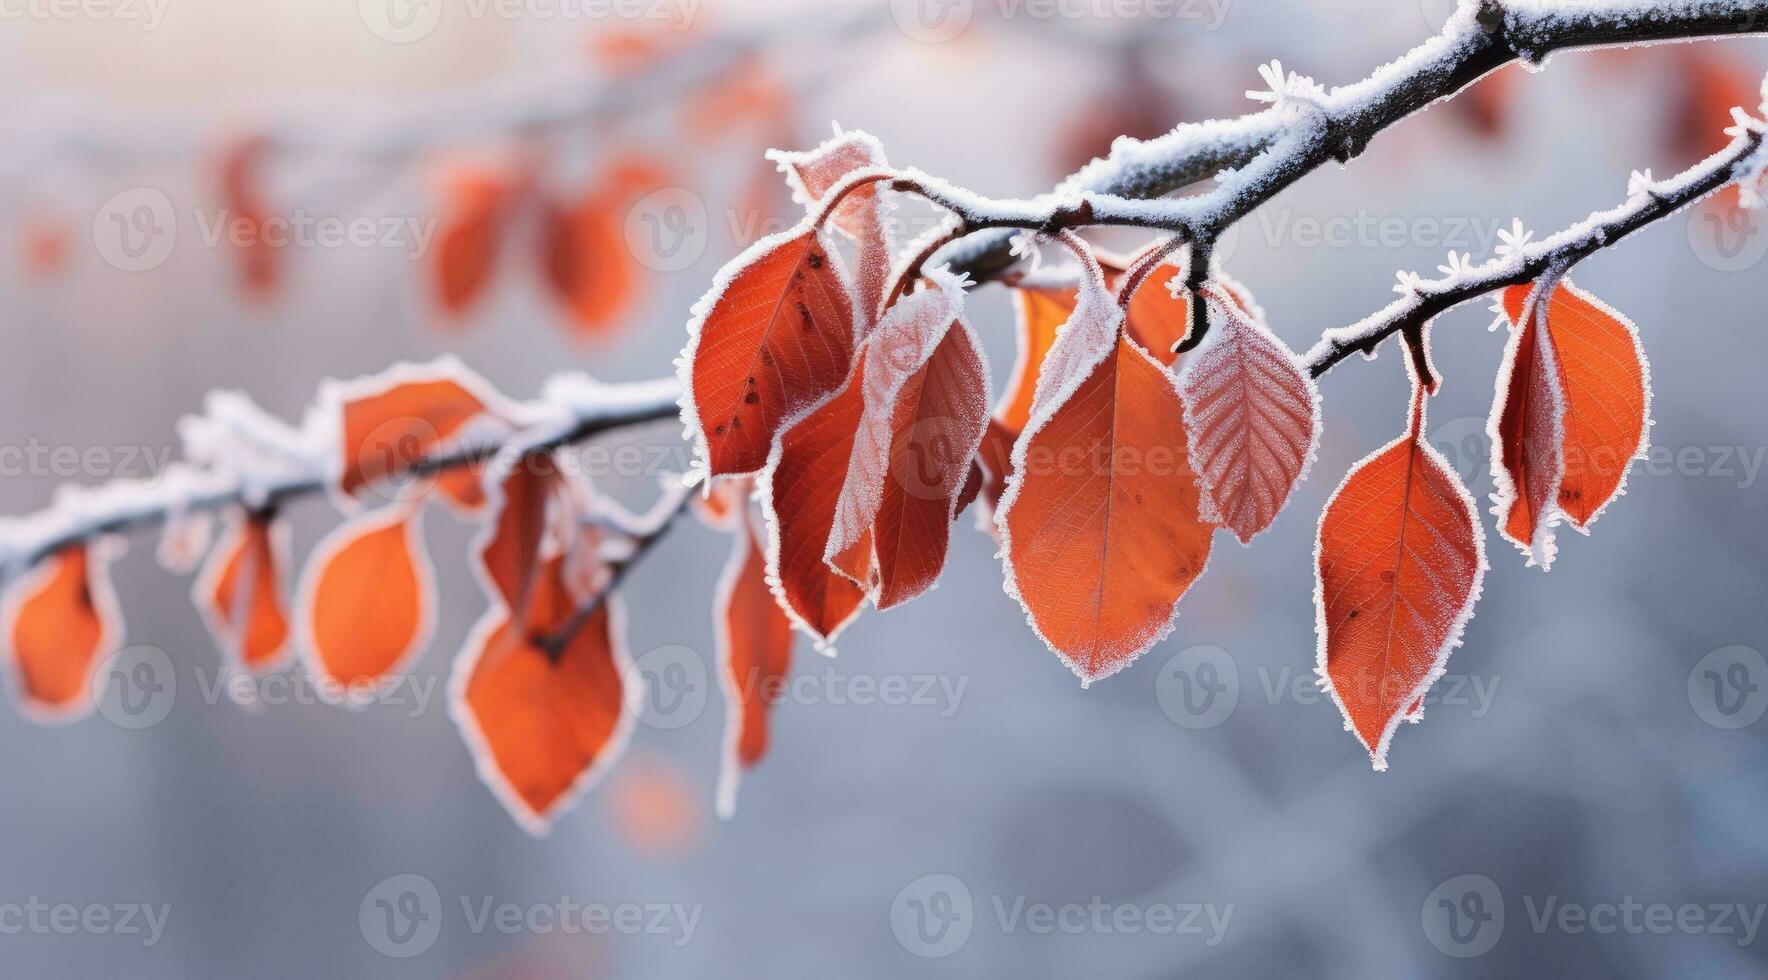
point(1252, 158)
point(575, 412)
point(1422, 300)
point(1260, 154)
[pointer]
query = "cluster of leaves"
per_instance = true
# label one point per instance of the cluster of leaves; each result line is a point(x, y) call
point(840, 405)
point(527, 203)
point(543, 688)
point(1121, 445)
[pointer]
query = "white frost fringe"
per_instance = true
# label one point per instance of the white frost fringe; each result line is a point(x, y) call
point(1439, 663)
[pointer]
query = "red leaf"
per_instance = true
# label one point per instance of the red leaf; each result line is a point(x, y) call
point(43, 246)
point(1254, 418)
point(862, 215)
point(1398, 565)
point(509, 549)
point(926, 401)
point(544, 726)
point(61, 620)
point(239, 592)
point(366, 601)
point(772, 339)
point(392, 421)
point(755, 651)
point(1100, 522)
point(476, 207)
point(996, 459)
point(800, 489)
point(240, 173)
point(1571, 413)
point(585, 261)
point(1485, 108)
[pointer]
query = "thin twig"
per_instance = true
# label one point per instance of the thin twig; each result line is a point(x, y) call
point(1423, 300)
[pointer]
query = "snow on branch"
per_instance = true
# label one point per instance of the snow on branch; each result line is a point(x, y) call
point(239, 456)
point(1251, 159)
point(1256, 156)
point(1519, 260)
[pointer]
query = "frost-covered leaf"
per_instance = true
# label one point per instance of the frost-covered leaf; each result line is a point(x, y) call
point(239, 591)
point(799, 491)
point(510, 546)
point(754, 654)
point(367, 599)
point(1041, 311)
point(1398, 564)
point(772, 339)
point(926, 403)
point(1253, 417)
point(61, 619)
point(1571, 413)
point(863, 215)
point(544, 722)
point(389, 423)
point(1100, 525)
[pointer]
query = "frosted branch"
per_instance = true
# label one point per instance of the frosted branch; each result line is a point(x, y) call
point(1520, 260)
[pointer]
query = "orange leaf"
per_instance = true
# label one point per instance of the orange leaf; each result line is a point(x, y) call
point(543, 725)
point(1040, 312)
point(801, 487)
point(1156, 319)
point(61, 620)
point(895, 351)
point(240, 174)
point(861, 215)
point(1254, 418)
point(239, 592)
point(367, 602)
point(585, 260)
point(475, 209)
point(926, 404)
point(392, 421)
point(1100, 521)
point(1571, 413)
point(771, 340)
point(755, 649)
point(509, 548)
point(1398, 564)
